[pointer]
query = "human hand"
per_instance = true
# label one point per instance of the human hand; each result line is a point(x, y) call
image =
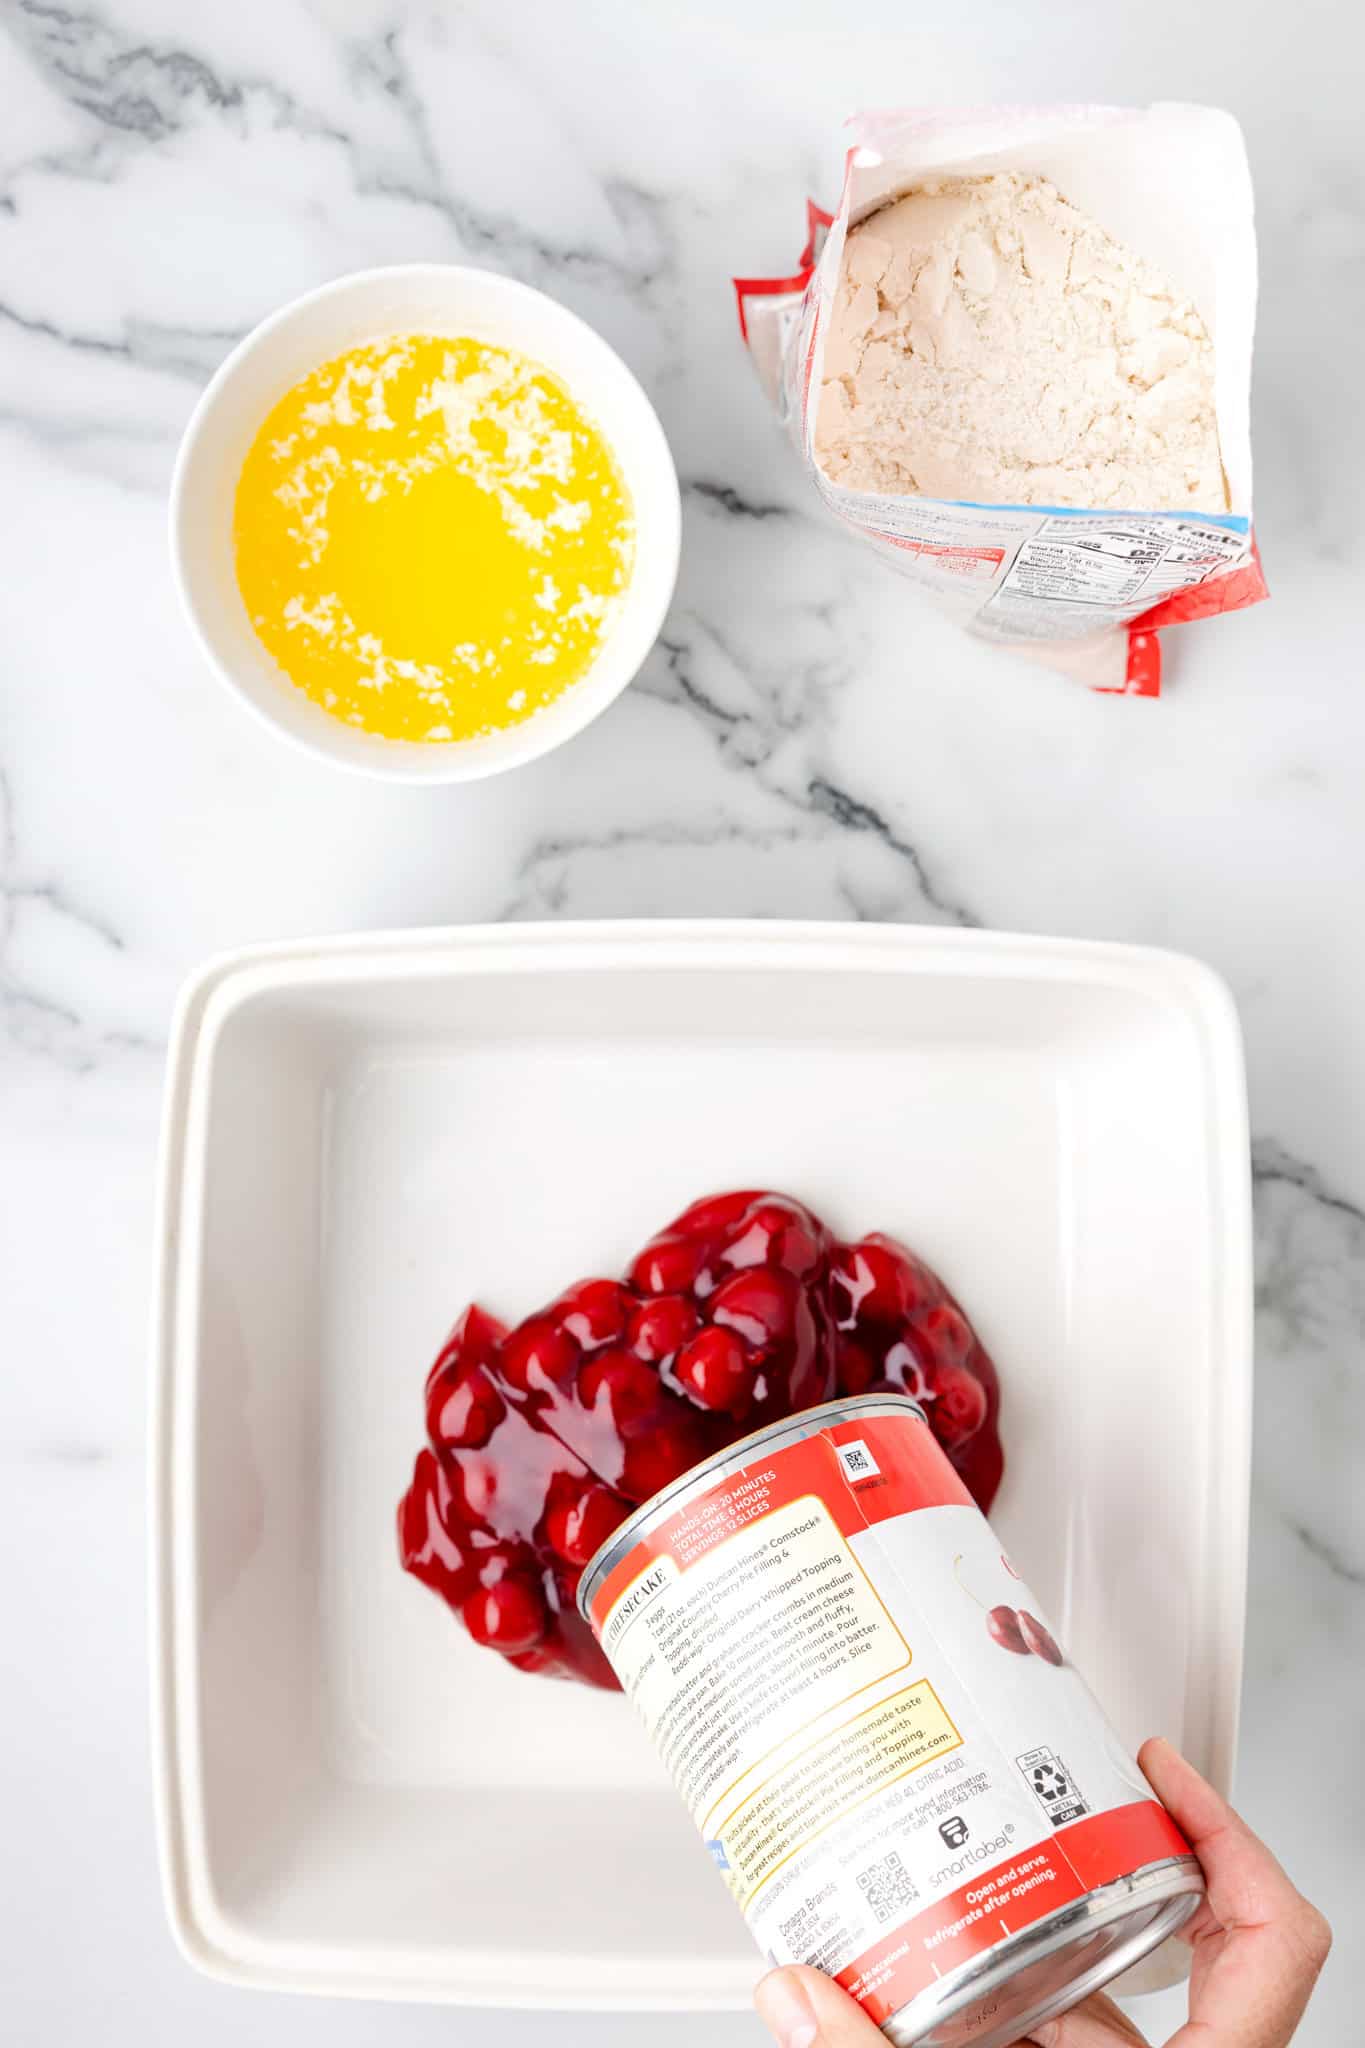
point(1258, 1947)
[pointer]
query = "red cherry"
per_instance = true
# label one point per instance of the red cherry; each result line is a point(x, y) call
point(810, 1379)
point(594, 1313)
point(775, 1233)
point(1039, 1640)
point(921, 1285)
point(714, 1213)
point(509, 1616)
point(959, 1407)
point(584, 1661)
point(474, 1487)
point(538, 1355)
point(500, 1558)
point(856, 1368)
point(543, 1660)
point(570, 1651)
point(473, 1342)
point(760, 1305)
point(628, 1390)
point(429, 1548)
point(871, 1282)
point(798, 1251)
point(1005, 1628)
point(947, 1333)
point(578, 1526)
point(981, 1466)
point(907, 1375)
point(463, 1413)
point(659, 1328)
point(715, 1370)
point(668, 1266)
point(657, 1458)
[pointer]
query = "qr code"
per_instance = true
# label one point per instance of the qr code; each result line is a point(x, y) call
point(887, 1886)
point(858, 1461)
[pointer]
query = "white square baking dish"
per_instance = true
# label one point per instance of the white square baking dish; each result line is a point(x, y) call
point(363, 1134)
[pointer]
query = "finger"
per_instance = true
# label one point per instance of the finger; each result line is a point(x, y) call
point(1247, 1887)
point(801, 2008)
point(1095, 2023)
point(1258, 1943)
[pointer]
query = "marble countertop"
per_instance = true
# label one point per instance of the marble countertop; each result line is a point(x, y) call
point(808, 739)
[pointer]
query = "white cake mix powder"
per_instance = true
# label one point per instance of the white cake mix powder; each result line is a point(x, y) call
point(990, 342)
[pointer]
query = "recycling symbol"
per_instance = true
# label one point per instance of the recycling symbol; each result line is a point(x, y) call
point(1049, 1783)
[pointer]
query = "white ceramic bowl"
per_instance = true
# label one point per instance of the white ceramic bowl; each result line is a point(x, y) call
point(426, 298)
point(354, 1797)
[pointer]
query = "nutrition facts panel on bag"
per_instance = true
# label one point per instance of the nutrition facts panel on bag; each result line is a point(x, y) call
point(1117, 564)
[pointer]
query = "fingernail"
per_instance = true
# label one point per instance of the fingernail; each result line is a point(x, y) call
point(786, 2011)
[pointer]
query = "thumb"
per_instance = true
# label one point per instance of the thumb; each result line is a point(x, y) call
point(801, 2008)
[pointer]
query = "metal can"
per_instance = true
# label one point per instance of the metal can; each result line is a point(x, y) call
point(896, 1769)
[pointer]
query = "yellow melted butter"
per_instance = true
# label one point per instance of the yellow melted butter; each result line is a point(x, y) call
point(432, 537)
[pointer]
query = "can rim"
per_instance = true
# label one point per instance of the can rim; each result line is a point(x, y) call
point(809, 1422)
point(1174, 1886)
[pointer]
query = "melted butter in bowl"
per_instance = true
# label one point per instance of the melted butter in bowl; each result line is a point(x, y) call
point(432, 537)
point(425, 523)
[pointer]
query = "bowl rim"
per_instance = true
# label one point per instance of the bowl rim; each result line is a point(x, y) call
point(416, 762)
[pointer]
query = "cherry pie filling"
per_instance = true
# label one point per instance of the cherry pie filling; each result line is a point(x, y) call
point(543, 1438)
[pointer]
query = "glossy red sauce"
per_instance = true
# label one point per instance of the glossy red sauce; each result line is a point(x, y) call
point(541, 1439)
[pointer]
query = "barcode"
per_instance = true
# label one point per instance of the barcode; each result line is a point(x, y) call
point(858, 1461)
point(887, 1886)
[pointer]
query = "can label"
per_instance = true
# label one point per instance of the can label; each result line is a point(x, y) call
point(892, 1778)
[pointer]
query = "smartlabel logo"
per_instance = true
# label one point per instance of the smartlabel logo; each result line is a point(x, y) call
point(980, 1852)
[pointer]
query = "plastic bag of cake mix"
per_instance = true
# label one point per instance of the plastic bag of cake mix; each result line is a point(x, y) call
point(1017, 361)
